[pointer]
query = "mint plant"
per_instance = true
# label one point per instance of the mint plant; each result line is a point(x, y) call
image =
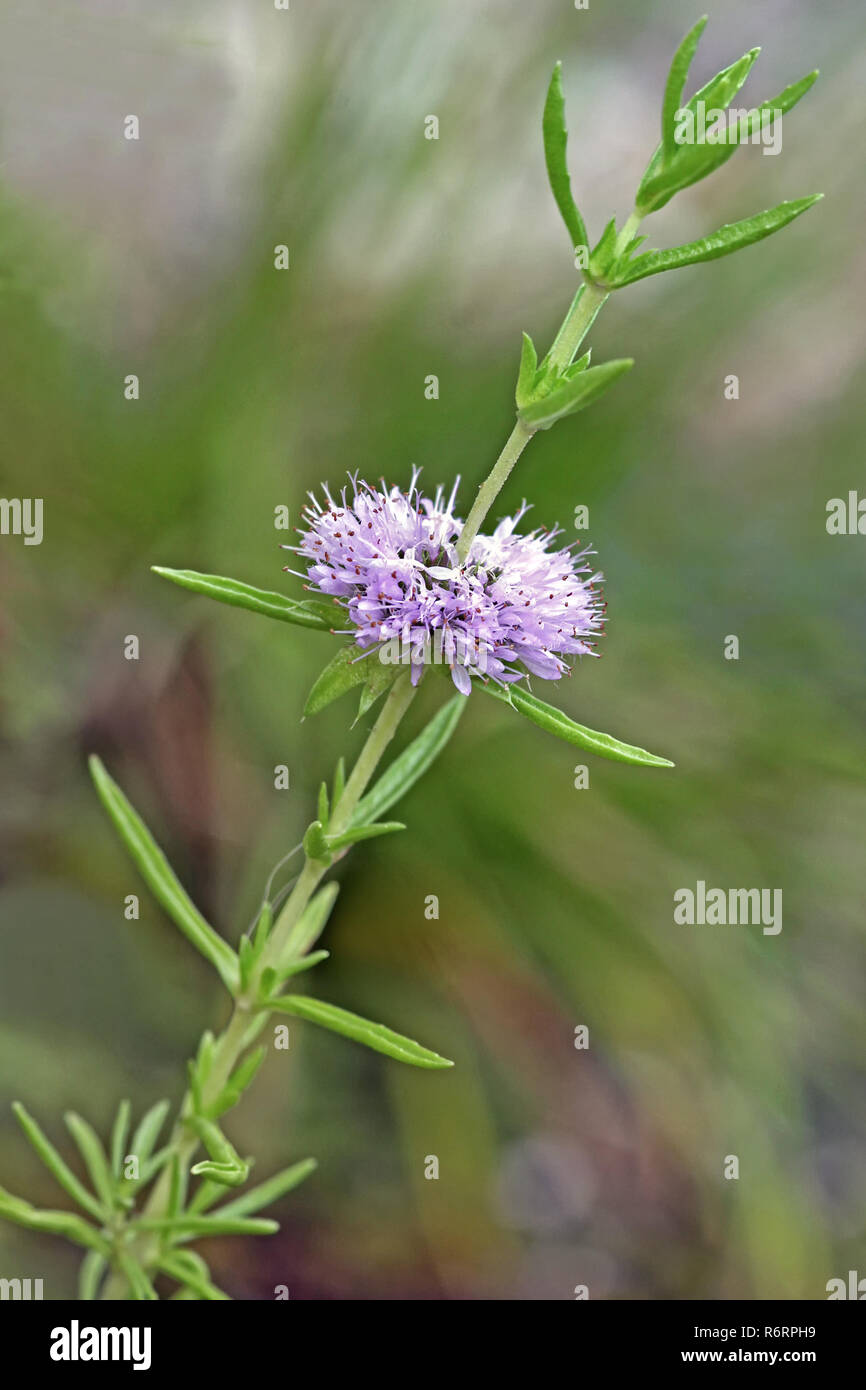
point(410, 592)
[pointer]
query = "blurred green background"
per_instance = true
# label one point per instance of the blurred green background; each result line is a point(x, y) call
point(409, 257)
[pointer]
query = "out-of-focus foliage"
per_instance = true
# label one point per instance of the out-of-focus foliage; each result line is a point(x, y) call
point(410, 258)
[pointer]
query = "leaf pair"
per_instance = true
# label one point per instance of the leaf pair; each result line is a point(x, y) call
point(687, 154)
point(322, 847)
point(683, 157)
point(348, 669)
point(544, 395)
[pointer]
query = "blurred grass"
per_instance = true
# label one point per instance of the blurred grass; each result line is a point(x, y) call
point(409, 257)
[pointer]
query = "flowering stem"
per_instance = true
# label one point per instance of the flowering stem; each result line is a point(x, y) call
point(232, 1042)
point(145, 1246)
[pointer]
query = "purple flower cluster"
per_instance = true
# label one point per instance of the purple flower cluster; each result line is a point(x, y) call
point(513, 607)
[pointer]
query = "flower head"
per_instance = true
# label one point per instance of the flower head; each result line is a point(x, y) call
point(513, 607)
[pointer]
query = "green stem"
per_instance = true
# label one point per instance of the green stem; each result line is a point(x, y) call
point(575, 326)
point(145, 1248)
point(399, 698)
point(581, 315)
point(492, 486)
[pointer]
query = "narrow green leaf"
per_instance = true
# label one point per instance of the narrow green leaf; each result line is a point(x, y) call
point(205, 1056)
point(176, 1187)
point(719, 92)
point(160, 878)
point(175, 1264)
point(58, 1223)
point(254, 1028)
point(361, 1030)
point(199, 1068)
point(94, 1156)
point(246, 960)
point(363, 832)
point(575, 393)
point(263, 929)
point(381, 675)
point(577, 367)
point(784, 102)
point(93, 1266)
point(312, 922)
point(147, 1132)
point(750, 124)
point(676, 83)
point(152, 1166)
point(694, 162)
point(245, 1072)
point(555, 722)
point(272, 978)
point(204, 1196)
point(52, 1160)
point(555, 143)
point(207, 1225)
point(119, 1135)
point(140, 1286)
point(194, 1084)
point(668, 174)
point(237, 1083)
point(602, 255)
point(350, 667)
point(297, 967)
point(526, 374)
point(566, 329)
point(732, 237)
point(324, 809)
point(192, 1261)
point(412, 763)
point(306, 613)
point(213, 1139)
point(267, 982)
point(339, 782)
point(270, 1191)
